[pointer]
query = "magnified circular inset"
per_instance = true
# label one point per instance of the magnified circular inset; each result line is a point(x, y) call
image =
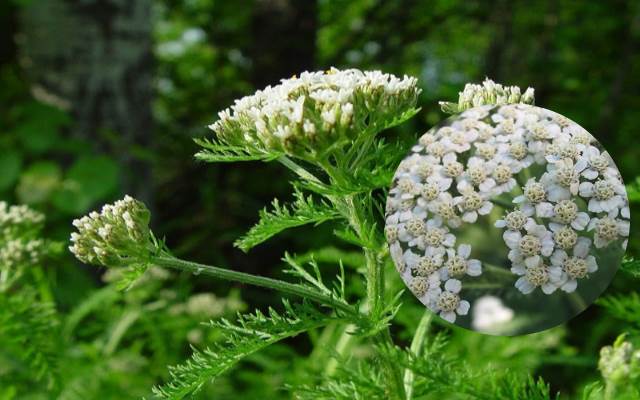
point(507, 219)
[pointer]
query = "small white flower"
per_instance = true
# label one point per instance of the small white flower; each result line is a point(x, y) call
point(448, 303)
point(599, 164)
point(528, 248)
point(605, 195)
point(503, 177)
point(471, 204)
point(536, 276)
point(514, 221)
point(608, 230)
point(477, 174)
point(444, 209)
point(432, 188)
point(572, 268)
point(563, 179)
point(437, 237)
point(458, 264)
point(459, 141)
point(424, 141)
point(566, 212)
point(534, 199)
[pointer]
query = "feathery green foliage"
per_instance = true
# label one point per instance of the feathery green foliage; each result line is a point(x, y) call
point(631, 266)
point(303, 210)
point(436, 374)
point(216, 151)
point(251, 333)
point(624, 306)
point(28, 329)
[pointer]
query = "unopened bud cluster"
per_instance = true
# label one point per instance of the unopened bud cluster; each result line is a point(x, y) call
point(489, 93)
point(620, 363)
point(306, 115)
point(117, 236)
point(19, 242)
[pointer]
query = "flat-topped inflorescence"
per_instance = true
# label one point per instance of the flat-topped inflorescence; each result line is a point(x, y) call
point(562, 199)
point(316, 112)
point(19, 230)
point(117, 236)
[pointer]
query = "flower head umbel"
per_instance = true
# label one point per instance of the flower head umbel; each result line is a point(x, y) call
point(306, 115)
point(561, 199)
point(117, 236)
point(19, 242)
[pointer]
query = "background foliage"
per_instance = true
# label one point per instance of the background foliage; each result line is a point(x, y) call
point(578, 55)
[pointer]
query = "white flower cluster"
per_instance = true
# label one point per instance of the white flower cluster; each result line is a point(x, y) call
point(459, 171)
point(19, 228)
point(119, 235)
point(308, 114)
point(489, 93)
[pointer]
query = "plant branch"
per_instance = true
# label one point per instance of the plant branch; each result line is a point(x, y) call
point(242, 277)
point(417, 345)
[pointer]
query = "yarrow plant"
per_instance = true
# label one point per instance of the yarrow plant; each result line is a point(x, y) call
point(323, 127)
point(561, 197)
point(20, 245)
point(315, 114)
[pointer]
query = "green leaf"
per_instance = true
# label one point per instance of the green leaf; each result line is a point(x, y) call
point(216, 151)
point(10, 165)
point(631, 266)
point(250, 334)
point(28, 331)
point(304, 210)
point(625, 307)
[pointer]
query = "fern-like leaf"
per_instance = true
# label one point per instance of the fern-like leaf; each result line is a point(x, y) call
point(304, 210)
point(435, 372)
point(625, 307)
point(631, 266)
point(250, 334)
point(28, 332)
point(217, 151)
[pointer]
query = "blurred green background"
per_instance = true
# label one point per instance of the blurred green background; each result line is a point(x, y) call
point(102, 97)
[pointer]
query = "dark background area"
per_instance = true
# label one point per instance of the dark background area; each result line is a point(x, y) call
point(103, 97)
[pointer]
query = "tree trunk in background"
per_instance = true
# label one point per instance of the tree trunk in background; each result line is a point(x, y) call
point(7, 31)
point(94, 59)
point(283, 30)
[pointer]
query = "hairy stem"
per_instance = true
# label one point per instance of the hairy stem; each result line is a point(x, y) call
point(242, 277)
point(417, 345)
point(356, 210)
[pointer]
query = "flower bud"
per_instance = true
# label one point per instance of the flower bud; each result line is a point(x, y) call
point(117, 236)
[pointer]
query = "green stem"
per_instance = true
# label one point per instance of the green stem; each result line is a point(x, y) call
point(356, 210)
point(496, 269)
point(482, 286)
point(375, 273)
point(577, 301)
point(242, 277)
point(503, 203)
point(344, 342)
point(416, 348)
point(298, 170)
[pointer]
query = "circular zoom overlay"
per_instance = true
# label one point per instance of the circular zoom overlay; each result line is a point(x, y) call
point(507, 219)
